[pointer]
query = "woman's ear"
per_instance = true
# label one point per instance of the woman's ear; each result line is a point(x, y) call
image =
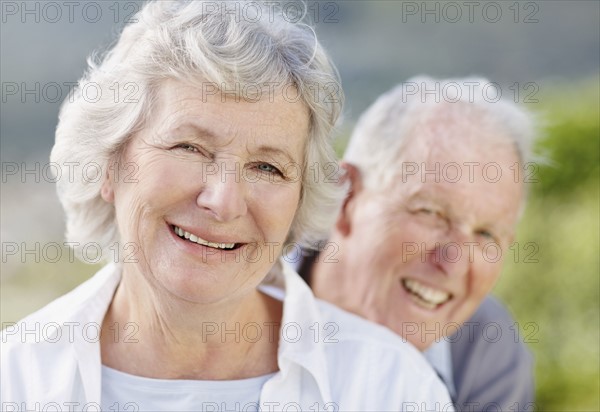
point(353, 178)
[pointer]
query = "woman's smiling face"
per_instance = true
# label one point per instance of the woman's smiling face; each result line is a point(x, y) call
point(216, 190)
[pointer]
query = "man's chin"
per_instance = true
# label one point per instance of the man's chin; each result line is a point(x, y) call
point(421, 345)
point(424, 331)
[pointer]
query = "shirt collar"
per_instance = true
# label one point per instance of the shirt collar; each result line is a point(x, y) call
point(95, 297)
point(300, 344)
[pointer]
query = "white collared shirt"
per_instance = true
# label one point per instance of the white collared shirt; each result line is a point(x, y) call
point(328, 359)
point(440, 357)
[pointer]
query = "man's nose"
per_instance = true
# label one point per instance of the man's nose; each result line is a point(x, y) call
point(224, 194)
point(453, 252)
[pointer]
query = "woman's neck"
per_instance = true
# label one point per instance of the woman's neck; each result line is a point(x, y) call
point(148, 333)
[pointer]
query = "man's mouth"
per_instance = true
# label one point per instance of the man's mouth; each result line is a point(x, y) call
point(425, 296)
point(198, 240)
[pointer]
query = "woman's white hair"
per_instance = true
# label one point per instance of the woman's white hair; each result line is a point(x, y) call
point(383, 131)
point(228, 44)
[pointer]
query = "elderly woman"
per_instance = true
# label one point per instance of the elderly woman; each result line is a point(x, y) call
point(201, 189)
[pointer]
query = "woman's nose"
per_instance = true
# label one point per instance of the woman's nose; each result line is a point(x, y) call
point(223, 193)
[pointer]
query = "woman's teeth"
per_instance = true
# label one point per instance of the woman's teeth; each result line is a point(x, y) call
point(427, 296)
point(193, 238)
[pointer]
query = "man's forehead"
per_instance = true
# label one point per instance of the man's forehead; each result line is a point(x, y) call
point(453, 143)
point(456, 158)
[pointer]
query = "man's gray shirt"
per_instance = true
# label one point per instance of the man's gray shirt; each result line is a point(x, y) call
point(492, 367)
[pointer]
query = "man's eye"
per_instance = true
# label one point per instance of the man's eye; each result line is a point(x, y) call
point(429, 212)
point(486, 234)
point(432, 216)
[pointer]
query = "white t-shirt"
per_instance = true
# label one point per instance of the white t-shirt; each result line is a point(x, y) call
point(124, 392)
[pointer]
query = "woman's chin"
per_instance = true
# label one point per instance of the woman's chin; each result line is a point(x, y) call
point(194, 284)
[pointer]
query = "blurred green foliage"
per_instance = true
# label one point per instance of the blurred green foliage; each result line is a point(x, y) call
point(570, 138)
point(553, 286)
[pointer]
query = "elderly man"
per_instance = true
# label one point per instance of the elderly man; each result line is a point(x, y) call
point(435, 195)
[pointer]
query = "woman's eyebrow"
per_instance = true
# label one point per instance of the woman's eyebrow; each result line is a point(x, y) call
point(198, 130)
point(204, 132)
point(275, 151)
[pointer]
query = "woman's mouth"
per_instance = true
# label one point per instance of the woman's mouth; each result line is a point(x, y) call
point(425, 296)
point(198, 240)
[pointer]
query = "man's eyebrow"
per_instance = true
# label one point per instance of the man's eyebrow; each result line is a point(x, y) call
point(419, 194)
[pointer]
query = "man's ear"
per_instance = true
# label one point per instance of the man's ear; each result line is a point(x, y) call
point(353, 178)
point(106, 190)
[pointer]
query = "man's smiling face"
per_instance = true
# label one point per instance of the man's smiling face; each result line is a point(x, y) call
point(421, 255)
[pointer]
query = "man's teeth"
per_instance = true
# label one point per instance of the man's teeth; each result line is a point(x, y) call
point(193, 238)
point(428, 296)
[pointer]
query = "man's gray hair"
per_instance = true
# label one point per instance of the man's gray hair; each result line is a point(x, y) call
point(236, 47)
point(383, 131)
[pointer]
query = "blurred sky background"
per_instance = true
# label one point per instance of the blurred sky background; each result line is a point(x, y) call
point(554, 45)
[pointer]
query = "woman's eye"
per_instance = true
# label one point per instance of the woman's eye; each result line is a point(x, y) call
point(267, 168)
point(187, 147)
